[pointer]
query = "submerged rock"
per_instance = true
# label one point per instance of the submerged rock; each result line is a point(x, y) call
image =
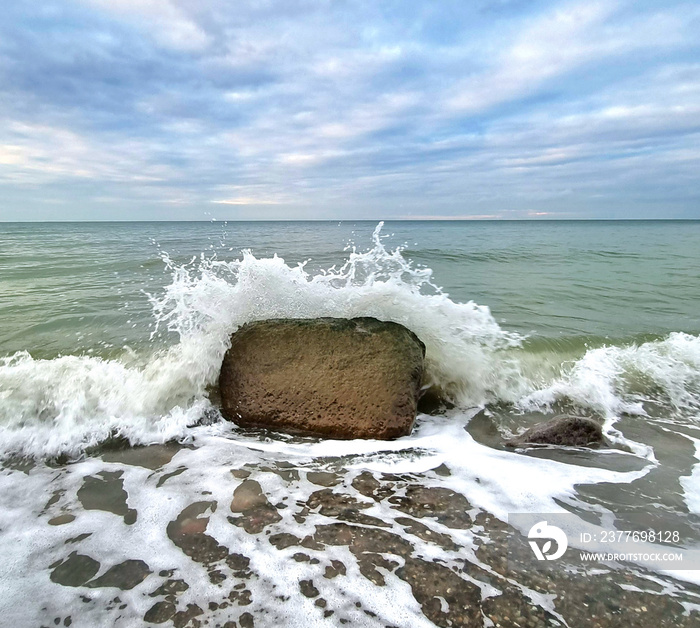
point(123, 576)
point(74, 571)
point(566, 431)
point(342, 378)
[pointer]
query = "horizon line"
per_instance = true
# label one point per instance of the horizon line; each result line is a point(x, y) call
point(341, 220)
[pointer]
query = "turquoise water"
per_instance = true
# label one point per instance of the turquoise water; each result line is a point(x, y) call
point(112, 336)
point(598, 317)
point(76, 287)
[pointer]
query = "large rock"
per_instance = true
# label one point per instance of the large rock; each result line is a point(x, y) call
point(356, 378)
point(569, 431)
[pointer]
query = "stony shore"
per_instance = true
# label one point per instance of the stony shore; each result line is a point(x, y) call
point(329, 532)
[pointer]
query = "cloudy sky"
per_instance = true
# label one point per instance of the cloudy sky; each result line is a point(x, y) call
point(314, 109)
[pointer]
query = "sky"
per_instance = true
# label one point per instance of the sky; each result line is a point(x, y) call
point(301, 109)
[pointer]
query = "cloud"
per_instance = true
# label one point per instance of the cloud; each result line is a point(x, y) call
point(169, 24)
point(243, 200)
point(549, 46)
point(558, 42)
point(42, 154)
point(342, 110)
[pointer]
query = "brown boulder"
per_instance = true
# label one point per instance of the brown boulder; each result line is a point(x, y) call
point(565, 431)
point(342, 378)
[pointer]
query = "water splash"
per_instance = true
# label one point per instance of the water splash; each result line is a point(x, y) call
point(69, 403)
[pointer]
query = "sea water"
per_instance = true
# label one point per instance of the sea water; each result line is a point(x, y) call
point(111, 338)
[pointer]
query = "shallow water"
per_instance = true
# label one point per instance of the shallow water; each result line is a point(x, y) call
point(113, 334)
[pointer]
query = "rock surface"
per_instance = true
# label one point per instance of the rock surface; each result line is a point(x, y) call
point(342, 378)
point(567, 431)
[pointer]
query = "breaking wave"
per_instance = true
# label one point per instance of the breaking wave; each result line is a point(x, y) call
point(69, 403)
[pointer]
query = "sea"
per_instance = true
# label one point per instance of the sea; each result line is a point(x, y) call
point(127, 500)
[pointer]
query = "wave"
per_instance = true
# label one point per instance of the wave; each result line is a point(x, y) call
point(64, 405)
point(630, 379)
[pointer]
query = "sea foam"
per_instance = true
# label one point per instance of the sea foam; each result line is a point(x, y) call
point(66, 404)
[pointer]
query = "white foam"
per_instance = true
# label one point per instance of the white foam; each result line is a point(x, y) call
point(65, 404)
point(213, 297)
point(691, 483)
point(618, 380)
point(72, 402)
point(497, 481)
point(500, 482)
